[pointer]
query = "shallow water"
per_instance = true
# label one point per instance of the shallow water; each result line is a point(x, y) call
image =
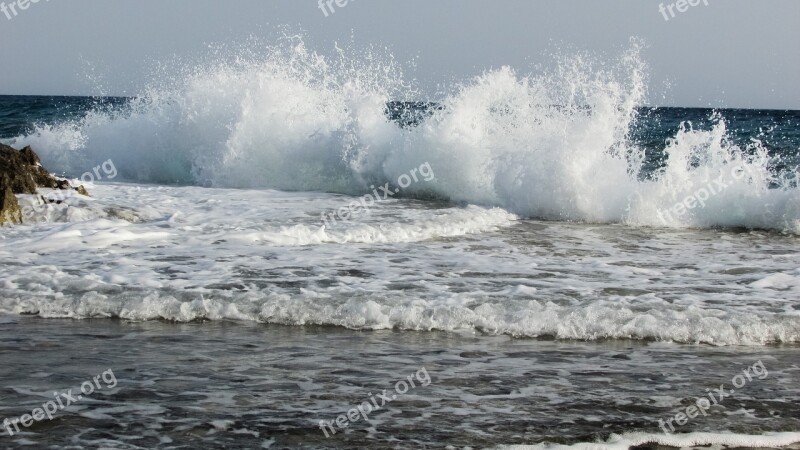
point(246, 385)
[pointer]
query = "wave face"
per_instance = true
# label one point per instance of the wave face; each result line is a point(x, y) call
point(555, 145)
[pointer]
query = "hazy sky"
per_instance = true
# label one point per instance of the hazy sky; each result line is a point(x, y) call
point(729, 53)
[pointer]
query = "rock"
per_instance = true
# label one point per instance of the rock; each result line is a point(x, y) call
point(24, 171)
point(63, 185)
point(10, 211)
point(21, 172)
point(42, 177)
point(30, 157)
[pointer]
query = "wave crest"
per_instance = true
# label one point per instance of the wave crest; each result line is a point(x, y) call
point(554, 145)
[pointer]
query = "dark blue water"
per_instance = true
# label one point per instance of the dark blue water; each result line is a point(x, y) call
point(19, 114)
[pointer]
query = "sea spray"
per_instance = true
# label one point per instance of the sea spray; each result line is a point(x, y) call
point(553, 144)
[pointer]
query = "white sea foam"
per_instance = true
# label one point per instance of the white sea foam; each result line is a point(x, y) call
point(265, 256)
point(466, 313)
point(714, 440)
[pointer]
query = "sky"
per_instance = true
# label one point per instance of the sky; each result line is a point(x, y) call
point(719, 53)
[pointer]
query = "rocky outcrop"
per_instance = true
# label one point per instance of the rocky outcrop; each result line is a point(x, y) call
point(21, 172)
point(24, 170)
point(10, 213)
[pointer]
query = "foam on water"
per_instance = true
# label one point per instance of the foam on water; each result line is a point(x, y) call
point(552, 145)
point(687, 440)
point(454, 313)
point(265, 256)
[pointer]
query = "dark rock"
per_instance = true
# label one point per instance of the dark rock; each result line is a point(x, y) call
point(63, 185)
point(10, 211)
point(24, 171)
point(30, 157)
point(16, 178)
point(21, 172)
point(42, 177)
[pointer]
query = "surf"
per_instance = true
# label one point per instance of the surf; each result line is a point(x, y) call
point(554, 144)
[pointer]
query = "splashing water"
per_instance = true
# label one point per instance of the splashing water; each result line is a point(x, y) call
point(554, 145)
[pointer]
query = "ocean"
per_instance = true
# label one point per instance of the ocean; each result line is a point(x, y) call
point(283, 253)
